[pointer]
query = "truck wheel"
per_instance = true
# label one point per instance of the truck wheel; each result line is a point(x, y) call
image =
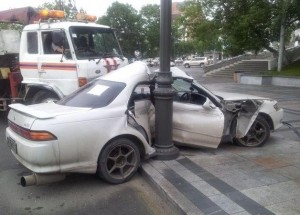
point(44, 96)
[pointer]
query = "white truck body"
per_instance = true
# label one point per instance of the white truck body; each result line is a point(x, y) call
point(62, 73)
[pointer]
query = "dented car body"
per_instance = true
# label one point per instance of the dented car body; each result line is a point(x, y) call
point(107, 126)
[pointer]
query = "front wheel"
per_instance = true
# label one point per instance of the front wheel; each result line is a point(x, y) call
point(118, 161)
point(187, 65)
point(257, 135)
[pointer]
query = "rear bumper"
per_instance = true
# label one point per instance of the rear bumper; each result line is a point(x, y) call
point(37, 156)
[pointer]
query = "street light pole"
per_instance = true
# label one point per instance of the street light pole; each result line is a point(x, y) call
point(163, 94)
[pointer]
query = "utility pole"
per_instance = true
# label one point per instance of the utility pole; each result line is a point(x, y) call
point(163, 94)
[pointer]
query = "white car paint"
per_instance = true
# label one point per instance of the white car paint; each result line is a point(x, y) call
point(237, 96)
point(82, 132)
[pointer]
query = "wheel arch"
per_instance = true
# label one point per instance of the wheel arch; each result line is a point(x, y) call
point(34, 88)
point(187, 65)
point(268, 119)
point(131, 137)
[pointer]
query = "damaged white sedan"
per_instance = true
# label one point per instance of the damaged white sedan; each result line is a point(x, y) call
point(106, 127)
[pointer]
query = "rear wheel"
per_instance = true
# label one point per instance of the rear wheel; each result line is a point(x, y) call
point(118, 161)
point(257, 135)
point(44, 96)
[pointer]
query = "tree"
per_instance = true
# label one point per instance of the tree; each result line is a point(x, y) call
point(150, 21)
point(251, 25)
point(125, 20)
point(192, 16)
point(286, 14)
point(11, 26)
point(244, 24)
point(197, 28)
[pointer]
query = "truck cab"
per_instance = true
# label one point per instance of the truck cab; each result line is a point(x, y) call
point(57, 57)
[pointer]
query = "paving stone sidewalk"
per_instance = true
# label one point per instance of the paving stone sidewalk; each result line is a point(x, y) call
point(231, 179)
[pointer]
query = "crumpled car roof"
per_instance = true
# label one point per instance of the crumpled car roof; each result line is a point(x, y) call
point(128, 73)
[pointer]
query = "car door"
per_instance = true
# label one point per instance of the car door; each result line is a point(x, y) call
point(196, 125)
point(57, 68)
point(194, 62)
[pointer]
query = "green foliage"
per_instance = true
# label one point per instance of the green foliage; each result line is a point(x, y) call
point(185, 48)
point(290, 70)
point(192, 16)
point(150, 22)
point(11, 26)
point(199, 33)
point(230, 26)
point(251, 25)
point(125, 20)
point(245, 24)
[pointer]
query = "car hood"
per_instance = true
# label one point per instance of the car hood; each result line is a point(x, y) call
point(238, 96)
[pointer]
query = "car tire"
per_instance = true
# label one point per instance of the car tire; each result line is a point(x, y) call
point(257, 135)
point(187, 65)
point(44, 96)
point(201, 65)
point(118, 161)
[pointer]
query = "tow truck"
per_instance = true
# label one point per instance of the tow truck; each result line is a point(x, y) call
point(53, 56)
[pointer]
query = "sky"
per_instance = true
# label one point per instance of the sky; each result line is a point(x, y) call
point(92, 7)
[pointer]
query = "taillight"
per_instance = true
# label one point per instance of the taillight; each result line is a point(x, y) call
point(31, 135)
point(82, 81)
point(41, 136)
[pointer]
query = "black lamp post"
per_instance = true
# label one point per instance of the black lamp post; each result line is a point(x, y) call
point(163, 94)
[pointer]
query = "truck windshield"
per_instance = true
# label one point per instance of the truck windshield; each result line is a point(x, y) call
point(92, 43)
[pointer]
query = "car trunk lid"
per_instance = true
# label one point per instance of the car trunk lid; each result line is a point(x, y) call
point(25, 116)
point(21, 119)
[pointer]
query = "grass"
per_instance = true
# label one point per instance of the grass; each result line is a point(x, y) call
point(290, 70)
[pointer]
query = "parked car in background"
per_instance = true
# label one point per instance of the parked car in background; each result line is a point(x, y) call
point(107, 126)
point(178, 61)
point(197, 61)
point(172, 63)
point(156, 61)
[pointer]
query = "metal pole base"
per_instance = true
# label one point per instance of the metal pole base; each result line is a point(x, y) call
point(169, 153)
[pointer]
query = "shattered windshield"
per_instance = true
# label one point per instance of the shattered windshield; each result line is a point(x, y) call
point(94, 43)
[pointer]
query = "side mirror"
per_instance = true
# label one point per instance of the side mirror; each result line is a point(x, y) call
point(208, 105)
